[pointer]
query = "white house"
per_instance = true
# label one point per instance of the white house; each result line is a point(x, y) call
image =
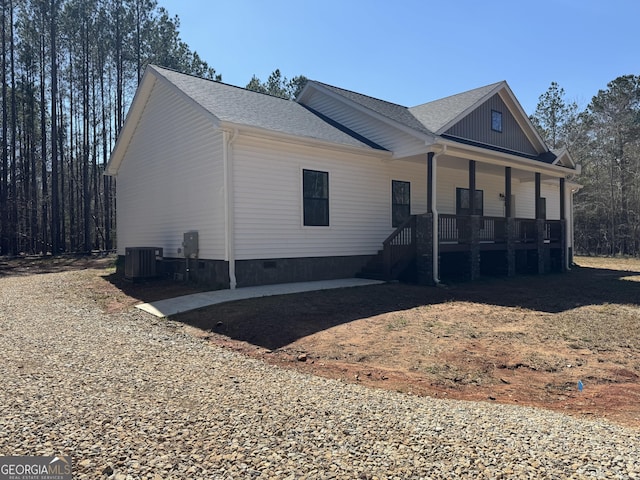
point(337, 184)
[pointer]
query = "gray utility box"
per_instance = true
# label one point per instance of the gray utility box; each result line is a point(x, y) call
point(190, 244)
point(140, 262)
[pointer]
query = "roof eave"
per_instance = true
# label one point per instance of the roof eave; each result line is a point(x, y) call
point(563, 156)
point(501, 158)
point(130, 123)
point(302, 140)
point(523, 120)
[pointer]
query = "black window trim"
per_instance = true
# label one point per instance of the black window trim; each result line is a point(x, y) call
point(327, 222)
point(394, 223)
point(480, 208)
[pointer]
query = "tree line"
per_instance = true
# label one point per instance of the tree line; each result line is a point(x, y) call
point(69, 71)
point(604, 138)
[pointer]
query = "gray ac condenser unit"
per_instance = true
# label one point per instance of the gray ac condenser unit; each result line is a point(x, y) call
point(140, 262)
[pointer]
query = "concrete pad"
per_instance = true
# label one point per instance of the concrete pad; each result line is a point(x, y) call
point(173, 306)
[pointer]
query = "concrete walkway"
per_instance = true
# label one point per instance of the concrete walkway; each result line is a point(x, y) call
point(173, 306)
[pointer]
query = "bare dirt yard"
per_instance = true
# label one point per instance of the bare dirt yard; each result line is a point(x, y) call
point(527, 340)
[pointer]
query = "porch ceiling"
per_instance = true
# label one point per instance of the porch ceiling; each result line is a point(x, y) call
point(458, 163)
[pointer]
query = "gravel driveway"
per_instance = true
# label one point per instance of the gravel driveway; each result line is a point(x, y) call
point(129, 396)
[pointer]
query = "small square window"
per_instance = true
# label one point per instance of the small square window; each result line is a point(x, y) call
point(496, 121)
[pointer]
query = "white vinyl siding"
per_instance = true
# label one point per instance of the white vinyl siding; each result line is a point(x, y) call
point(268, 200)
point(493, 185)
point(449, 179)
point(525, 198)
point(172, 179)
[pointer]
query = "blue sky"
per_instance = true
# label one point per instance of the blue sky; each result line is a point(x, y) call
point(411, 51)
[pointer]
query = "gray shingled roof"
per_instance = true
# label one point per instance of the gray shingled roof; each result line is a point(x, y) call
point(244, 107)
point(426, 118)
point(435, 115)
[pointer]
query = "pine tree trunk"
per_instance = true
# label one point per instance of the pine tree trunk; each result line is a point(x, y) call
point(55, 188)
point(4, 182)
point(44, 226)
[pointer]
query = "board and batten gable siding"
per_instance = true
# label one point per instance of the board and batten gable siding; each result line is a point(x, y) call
point(493, 185)
point(394, 140)
point(477, 127)
point(171, 180)
point(268, 200)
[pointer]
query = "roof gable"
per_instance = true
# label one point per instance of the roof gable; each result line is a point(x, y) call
point(477, 126)
point(440, 114)
point(466, 117)
point(240, 106)
point(235, 106)
point(454, 116)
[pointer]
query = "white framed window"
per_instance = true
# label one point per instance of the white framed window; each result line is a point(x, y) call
point(496, 121)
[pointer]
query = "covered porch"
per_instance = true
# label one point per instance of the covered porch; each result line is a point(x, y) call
point(487, 214)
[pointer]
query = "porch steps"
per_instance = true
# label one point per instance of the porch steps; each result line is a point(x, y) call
point(397, 255)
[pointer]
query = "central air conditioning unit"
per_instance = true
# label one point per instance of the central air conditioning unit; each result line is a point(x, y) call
point(140, 262)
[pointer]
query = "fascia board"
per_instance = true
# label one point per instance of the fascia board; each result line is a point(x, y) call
point(574, 186)
point(307, 87)
point(138, 105)
point(504, 159)
point(523, 119)
point(564, 154)
point(306, 141)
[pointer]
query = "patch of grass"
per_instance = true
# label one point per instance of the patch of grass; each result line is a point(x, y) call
point(598, 327)
point(545, 362)
point(398, 322)
point(431, 325)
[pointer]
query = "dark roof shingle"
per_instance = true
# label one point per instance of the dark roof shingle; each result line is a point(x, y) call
point(244, 107)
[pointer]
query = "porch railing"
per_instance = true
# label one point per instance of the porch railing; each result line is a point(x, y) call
point(400, 247)
point(525, 230)
point(553, 231)
point(493, 229)
point(457, 229)
point(454, 229)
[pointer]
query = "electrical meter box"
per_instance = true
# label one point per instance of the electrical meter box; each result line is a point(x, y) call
point(190, 244)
